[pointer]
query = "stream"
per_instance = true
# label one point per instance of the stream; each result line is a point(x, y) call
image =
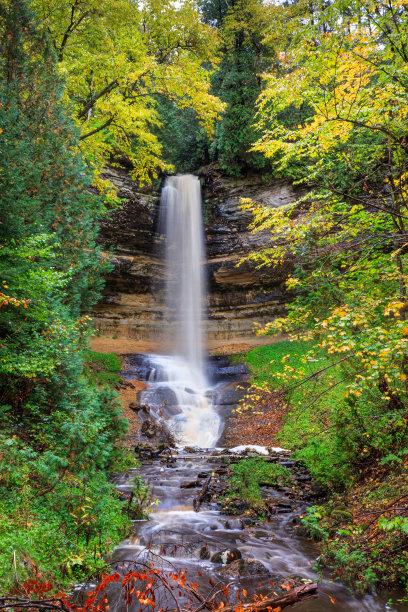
point(177, 536)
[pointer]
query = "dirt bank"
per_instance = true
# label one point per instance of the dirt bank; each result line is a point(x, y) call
point(126, 396)
point(126, 346)
point(257, 424)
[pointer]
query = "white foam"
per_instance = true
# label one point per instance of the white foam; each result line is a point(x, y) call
point(260, 450)
point(181, 221)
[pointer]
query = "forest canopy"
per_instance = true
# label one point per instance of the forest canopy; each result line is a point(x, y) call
point(116, 58)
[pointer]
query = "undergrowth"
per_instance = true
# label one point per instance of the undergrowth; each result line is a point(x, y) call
point(62, 529)
point(364, 531)
point(102, 368)
point(245, 481)
point(357, 450)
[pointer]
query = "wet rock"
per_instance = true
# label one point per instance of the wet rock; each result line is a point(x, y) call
point(192, 484)
point(226, 371)
point(284, 504)
point(284, 489)
point(235, 506)
point(236, 524)
point(204, 553)
point(202, 475)
point(163, 446)
point(279, 505)
point(190, 449)
point(226, 556)
point(137, 367)
point(138, 407)
point(171, 411)
point(146, 450)
point(303, 477)
point(230, 394)
point(244, 567)
point(166, 395)
point(124, 384)
point(149, 428)
point(261, 534)
point(191, 391)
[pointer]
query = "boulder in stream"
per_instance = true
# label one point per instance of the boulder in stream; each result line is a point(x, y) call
point(230, 394)
point(171, 410)
point(244, 567)
point(226, 556)
point(204, 553)
point(149, 428)
point(137, 407)
point(159, 396)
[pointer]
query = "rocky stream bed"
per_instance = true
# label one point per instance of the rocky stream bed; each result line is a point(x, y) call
point(197, 528)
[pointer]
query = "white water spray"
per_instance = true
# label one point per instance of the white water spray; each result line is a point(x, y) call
point(181, 223)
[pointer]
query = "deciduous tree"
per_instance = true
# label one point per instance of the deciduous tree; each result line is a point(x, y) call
point(115, 57)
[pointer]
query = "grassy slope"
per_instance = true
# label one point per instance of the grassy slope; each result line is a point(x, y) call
point(102, 368)
point(310, 405)
point(360, 549)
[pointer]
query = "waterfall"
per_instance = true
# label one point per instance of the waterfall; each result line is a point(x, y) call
point(181, 218)
point(181, 224)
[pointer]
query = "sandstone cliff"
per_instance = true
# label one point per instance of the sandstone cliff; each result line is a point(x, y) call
point(129, 317)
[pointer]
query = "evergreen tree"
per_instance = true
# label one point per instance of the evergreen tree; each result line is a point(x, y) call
point(56, 426)
point(238, 83)
point(47, 217)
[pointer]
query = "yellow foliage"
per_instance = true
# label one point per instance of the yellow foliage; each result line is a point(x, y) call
point(116, 57)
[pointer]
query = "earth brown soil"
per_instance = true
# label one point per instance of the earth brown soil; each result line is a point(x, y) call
point(126, 396)
point(126, 346)
point(257, 424)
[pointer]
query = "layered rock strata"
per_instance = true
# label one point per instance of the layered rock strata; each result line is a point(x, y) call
point(130, 314)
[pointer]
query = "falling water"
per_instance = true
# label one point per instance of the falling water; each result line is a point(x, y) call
point(182, 225)
point(181, 208)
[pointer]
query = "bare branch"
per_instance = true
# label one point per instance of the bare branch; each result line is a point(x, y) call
point(98, 129)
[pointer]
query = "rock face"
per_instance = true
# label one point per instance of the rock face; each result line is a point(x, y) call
point(239, 296)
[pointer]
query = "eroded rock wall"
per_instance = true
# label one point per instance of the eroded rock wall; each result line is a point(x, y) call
point(130, 314)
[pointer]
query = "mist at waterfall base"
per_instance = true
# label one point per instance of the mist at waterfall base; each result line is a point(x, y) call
point(181, 226)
